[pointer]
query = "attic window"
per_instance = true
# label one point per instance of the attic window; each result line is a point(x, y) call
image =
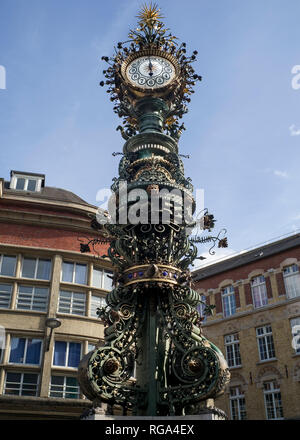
point(23, 182)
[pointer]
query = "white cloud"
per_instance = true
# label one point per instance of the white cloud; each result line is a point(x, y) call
point(293, 131)
point(279, 173)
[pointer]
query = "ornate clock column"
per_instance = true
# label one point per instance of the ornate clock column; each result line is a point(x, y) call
point(153, 326)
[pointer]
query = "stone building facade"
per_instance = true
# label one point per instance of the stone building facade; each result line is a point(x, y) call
point(256, 323)
point(44, 280)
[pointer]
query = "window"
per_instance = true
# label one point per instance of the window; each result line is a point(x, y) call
point(2, 342)
point(232, 346)
point(96, 302)
point(25, 351)
point(26, 184)
point(72, 303)
point(5, 296)
point(91, 347)
point(237, 404)
point(74, 273)
point(201, 308)
point(228, 299)
point(36, 268)
point(292, 281)
point(259, 291)
point(272, 397)
point(66, 354)
point(23, 182)
point(64, 386)
point(295, 324)
point(101, 279)
point(21, 384)
point(32, 298)
point(265, 342)
point(20, 183)
point(7, 265)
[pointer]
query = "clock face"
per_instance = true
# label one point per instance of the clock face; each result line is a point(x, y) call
point(150, 72)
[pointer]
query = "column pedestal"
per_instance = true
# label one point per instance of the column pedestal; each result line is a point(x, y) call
point(205, 412)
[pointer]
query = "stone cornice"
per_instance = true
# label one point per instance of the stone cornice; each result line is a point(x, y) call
point(48, 202)
point(241, 314)
point(64, 215)
point(46, 220)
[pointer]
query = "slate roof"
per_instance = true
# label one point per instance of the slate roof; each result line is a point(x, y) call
point(247, 257)
point(49, 193)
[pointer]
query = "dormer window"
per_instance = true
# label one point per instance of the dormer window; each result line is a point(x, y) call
point(26, 181)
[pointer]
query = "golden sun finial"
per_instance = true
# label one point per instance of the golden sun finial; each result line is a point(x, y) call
point(149, 14)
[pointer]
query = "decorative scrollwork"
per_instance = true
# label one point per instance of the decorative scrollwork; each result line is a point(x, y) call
point(150, 35)
point(222, 242)
point(196, 365)
point(86, 244)
point(152, 305)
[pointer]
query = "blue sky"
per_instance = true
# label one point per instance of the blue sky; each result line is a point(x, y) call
point(56, 120)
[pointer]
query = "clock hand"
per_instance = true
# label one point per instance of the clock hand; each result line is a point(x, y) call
point(150, 67)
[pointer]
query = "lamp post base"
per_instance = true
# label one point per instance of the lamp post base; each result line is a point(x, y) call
point(202, 411)
point(205, 414)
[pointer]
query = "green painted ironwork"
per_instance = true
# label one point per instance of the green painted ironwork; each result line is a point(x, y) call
point(152, 322)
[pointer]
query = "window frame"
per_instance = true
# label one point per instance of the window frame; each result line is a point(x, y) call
point(228, 298)
point(2, 343)
point(91, 305)
point(64, 390)
point(37, 260)
point(91, 346)
point(25, 351)
point(67, 352)
point(3, 294)
point(238, 397)
point(201, 307)
point(27, 178)
point(262, 291)
point(75, 264)
point(33, 287)
point(264, 336)
point(103, 272)
point(21, 383)
point(72, 292)
point(293, 275)
point(232, 342)
point(272, 392)
point(1, 263)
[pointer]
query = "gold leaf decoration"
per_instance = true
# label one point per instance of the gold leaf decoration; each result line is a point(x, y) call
point(149, 14)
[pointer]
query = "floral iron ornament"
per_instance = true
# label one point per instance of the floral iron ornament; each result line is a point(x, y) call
point(152, 40)
point(153, 324)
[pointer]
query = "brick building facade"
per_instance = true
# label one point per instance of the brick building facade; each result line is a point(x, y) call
point(256, 323)
point(45, 278)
